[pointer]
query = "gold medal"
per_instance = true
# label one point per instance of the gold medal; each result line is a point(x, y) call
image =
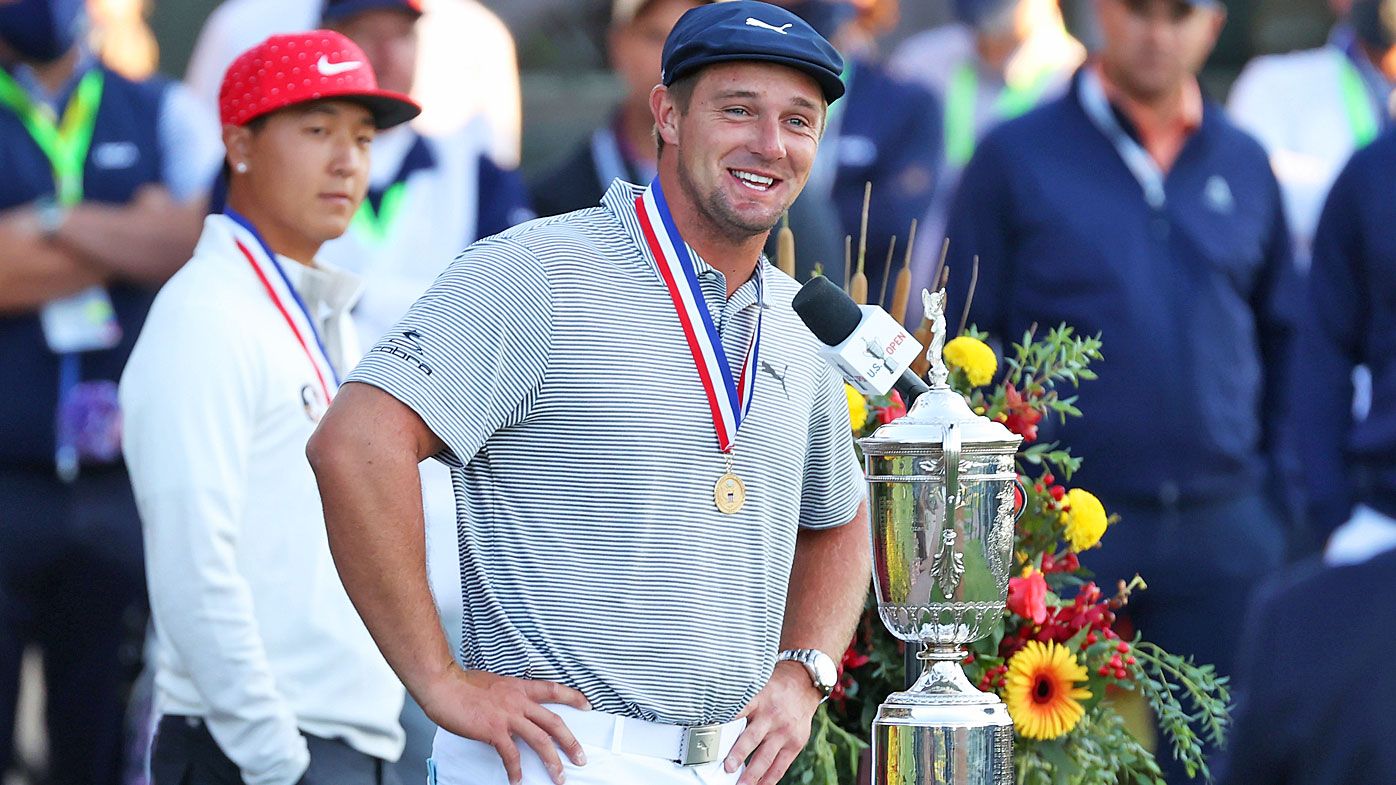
point(729, 492)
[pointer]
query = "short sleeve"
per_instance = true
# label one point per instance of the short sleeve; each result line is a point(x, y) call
point(833, 483)
point(470, 355)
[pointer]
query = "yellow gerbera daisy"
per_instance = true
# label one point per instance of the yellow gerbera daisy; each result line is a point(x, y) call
point(974, 357)
point(1084, 518)
point(1040, 690)
point(857, 408)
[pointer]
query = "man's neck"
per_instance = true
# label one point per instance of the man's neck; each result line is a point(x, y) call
point(735, 259)
point(1159, 108)
point(54, 75)
point(637, 132)
point(282, 240)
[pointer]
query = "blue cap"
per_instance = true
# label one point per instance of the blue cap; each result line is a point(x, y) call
point(335, 11)
point(750, 30)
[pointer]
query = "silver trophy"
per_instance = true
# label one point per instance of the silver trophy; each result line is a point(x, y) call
point(940, 486)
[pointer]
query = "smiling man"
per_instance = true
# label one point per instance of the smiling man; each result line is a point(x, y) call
point(654, 591)
point(265, 675)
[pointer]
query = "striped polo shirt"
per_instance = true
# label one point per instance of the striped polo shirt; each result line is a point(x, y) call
point(551, 362)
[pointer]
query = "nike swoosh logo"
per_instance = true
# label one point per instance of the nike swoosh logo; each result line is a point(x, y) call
point(754, 22)
point(327, 68)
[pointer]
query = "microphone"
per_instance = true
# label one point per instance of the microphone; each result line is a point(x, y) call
point(869, 347)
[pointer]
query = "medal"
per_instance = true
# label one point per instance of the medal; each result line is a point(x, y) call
point(729, 399)
point(729, 492)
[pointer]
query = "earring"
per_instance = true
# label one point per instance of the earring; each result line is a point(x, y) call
point(240, 167)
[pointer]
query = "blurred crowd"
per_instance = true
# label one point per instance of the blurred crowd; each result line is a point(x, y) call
point(1239, 261)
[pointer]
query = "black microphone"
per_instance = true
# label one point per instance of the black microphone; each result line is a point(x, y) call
point(833, 317)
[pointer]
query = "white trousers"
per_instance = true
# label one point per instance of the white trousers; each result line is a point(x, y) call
point(460, 761)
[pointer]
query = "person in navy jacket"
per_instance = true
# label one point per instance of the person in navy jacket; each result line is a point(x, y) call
point(1349, 320)
point(1313, 691)
point(887, 131)
point(103, 182)
point(1132, 207)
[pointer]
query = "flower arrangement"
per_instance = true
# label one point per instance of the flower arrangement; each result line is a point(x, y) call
point(1056, 657)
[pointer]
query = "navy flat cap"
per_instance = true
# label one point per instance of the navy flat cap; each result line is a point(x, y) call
point(750, 30)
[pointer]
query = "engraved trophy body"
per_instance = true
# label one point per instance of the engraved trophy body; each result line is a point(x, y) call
point(940, 496)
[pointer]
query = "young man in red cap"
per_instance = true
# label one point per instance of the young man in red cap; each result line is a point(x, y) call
point(265, 675)
point(653, 594)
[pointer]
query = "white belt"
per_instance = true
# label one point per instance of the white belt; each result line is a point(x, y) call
point(684, 745)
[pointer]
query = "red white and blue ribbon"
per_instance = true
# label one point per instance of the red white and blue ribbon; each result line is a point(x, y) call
point(729, 399)
point(278, 287)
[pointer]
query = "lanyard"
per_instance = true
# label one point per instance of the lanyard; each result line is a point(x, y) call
point(730, 400)
point(961, 97)
point(376, 224)
point(278, 287)
point(1357, 104)
point(65, 141)
point(1135, 157)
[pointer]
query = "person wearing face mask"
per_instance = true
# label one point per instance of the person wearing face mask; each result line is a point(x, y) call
point(264, 674)
point(103, 182)
point(997, 60)
point(1131, 207)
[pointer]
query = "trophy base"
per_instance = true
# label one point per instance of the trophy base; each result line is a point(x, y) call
point(942, 744)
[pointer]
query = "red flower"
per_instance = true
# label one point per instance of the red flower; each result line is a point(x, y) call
point(1027, 597)
point(895, 408)
point(1020, 417)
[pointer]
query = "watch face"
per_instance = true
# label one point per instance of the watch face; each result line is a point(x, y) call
point(827, 672)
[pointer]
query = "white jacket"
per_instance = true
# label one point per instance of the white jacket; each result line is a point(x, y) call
point(254, 631)
point(1293, 103)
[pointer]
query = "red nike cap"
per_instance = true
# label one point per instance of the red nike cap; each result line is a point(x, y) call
point(295, 68)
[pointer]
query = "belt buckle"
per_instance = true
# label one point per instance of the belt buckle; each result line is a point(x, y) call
point(700, 745)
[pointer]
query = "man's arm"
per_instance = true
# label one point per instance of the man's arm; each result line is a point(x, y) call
point(143, 242)
point(828, 583)
point(365, 455)
point(34, 271)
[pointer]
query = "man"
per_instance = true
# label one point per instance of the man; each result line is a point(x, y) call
point(264, 674)
point(428, 198)
point(997, 60)
point(102, 187)
point(886, 131)
point(1348, 481)
point(1131, 207)
point(1312, 109)
point(614, 553)
point(623, 149)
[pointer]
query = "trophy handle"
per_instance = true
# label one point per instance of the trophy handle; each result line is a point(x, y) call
point(950, 450)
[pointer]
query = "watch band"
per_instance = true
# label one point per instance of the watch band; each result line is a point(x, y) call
point(823, 672)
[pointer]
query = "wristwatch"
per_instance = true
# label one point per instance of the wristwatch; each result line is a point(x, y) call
point(822, 670)
point(51, 216)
